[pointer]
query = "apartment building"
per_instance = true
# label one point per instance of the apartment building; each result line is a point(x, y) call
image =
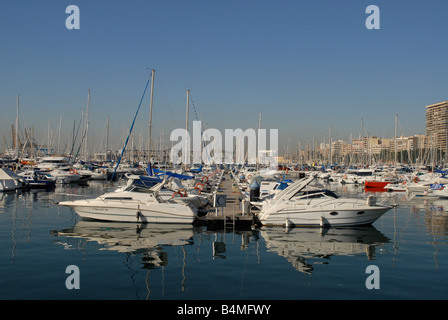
point(437, 125)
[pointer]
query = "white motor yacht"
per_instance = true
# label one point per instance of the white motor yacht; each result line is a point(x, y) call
point(134, 204)
point(423, 186)
point(297, 206)
point(52, 162)
point(64, 176)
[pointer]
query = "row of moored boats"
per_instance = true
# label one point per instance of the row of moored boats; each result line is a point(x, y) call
point(161, 196)
point(187, 196)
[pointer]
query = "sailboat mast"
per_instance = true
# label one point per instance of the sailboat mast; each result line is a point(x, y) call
point(362, 142)
point(48, 139)
point(150, 114)
point(258, 151)
point(107, 138)
point(59, 135)
point(17, 129)
point(73, 140)
point(330, 143)
point(396, 155)
point(86, 152)
point(186, 132)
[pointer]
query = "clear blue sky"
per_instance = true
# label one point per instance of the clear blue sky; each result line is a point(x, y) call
point(306, 65)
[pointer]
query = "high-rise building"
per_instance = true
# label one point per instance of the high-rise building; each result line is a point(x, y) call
point(437, 125)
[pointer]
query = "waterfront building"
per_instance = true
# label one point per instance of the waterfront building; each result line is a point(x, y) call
point(437, 125)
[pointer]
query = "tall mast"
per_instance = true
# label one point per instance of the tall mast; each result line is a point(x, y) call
point(331, 141)
point(107, 137)
point(73, 141)
point(258, 151)
point(59, 135)
point(48, 139)
point(186, 132)
point(150, 114)
point(396, 118)
point(17, 129)
point(86, 152)
point(362, 142)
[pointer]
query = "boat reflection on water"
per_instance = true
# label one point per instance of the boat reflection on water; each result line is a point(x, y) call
point(146, 239)
point(149, 245)
point(146, 242)
point(300, 245)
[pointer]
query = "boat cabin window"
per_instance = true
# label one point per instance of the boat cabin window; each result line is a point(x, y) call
point(118, 198)
point(364, 173)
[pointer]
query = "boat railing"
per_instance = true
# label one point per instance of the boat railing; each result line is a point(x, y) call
point(340, 202)
point(121, 200)
point(344, 201)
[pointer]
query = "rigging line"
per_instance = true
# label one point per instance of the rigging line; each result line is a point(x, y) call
point(194, 108)
point(197, 119)
point(100, 143)
point(81, 143)
point(401, 129)
point(74, 142)
point(160, 86)
point(130, 130)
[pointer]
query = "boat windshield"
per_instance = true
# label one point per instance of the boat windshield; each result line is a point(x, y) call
point(316, 194)
point(141, 189)
point(138, 188)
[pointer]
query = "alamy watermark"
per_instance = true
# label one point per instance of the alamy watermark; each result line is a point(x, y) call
point(73, 280)
point(237, 147)
point(373, 280)
point(73, 20)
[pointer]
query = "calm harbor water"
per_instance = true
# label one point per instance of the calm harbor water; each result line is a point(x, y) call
point(39, 240)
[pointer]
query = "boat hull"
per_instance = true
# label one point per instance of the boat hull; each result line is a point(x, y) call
point(376, 184)
point(65, 179)
point(160, 213)
point(42, 184)
point(324, 218)
point(395, 187)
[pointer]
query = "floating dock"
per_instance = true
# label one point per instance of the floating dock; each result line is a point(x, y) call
point(227, 211)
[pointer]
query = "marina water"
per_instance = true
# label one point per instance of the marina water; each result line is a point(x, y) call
point(39, 240)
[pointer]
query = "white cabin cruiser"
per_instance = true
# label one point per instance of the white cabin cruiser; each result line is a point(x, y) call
point(66, 175)
point(134, 204)
point(423, 187)
point(296, 206)
point(52, 162)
